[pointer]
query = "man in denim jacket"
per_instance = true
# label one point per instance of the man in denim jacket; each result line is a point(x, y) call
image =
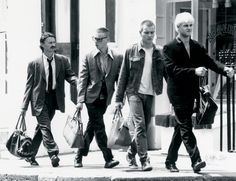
point(141, 77)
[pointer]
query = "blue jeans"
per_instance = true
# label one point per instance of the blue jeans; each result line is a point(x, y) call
point(141, 112)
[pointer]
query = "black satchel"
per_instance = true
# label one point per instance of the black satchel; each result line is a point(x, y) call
point(207, 107)
point(19, 144)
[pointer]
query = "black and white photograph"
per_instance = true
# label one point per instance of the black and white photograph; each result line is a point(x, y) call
point(117, 90)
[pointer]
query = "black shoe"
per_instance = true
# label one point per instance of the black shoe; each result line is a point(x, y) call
point(172, 167)
point(111, 164)
point(146, 166)
point(78, 163)
point(198, 165)
point(55, 161)
point(32, 161)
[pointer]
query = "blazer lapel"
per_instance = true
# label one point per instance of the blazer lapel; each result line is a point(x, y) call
point(109, 64)
point(58, 65)
point(97, 61)
point(41, 67)
point(183, 51)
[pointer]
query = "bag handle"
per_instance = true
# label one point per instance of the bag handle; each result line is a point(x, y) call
point(20, 125)
point(77, 116)
point(203, 80)
point(117, 113)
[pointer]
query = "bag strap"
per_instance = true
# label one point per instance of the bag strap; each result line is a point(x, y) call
point(203, 80)
point(20, 125)
point(117, 113)
point(77, 116)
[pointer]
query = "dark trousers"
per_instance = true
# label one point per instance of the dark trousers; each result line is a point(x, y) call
point(43, 129)
point(96, 127)
point(183, 133)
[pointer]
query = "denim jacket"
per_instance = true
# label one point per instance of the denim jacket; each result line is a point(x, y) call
point(132, 70)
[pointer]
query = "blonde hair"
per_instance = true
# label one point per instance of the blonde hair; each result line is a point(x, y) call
point(183, 18)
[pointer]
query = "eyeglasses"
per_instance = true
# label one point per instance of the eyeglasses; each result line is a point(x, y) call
point(98, 39)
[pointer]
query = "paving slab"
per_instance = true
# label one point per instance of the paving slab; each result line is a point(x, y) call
point(219, 167)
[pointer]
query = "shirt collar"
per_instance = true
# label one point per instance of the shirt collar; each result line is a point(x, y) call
point(109, 52)
point(178, 39)
point(141, 48)
point(45, 57)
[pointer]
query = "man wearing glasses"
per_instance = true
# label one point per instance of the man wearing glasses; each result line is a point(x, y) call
point(99, 72)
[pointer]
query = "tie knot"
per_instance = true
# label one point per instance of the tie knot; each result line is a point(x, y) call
point(49, 60)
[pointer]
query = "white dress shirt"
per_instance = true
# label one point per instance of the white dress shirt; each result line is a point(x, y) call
point(46, 67)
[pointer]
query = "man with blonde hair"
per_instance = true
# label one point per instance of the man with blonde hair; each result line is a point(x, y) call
point(186, 60)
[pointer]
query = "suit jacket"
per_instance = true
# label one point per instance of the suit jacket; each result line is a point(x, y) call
point(182, 80)
point(36, 83)
point(91, 76)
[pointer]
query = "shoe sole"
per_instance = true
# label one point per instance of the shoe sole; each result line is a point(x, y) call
point(113, 165)
point(133, 167)
point(32, 164)
point(79, 166)
point(199, 166)
point(172, 170)
point(147, 169)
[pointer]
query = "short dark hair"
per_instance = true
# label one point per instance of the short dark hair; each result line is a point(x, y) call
point(147, 23)
point(44, 36)
point(103, 30)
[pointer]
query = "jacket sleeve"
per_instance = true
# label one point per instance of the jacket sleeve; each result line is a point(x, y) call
point(123, 78)
point(69, 73)
point(120, 60)
point(29, 86)
point(83, 80)
point(211, 63)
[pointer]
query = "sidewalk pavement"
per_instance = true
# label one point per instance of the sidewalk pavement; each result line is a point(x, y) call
point(220, 166)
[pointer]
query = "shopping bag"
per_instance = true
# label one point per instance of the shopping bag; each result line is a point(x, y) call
point(207, 107)
point(19, 144)
point(73, 131)
point(119, 133)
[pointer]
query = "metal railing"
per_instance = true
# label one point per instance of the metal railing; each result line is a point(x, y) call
point(228, 58)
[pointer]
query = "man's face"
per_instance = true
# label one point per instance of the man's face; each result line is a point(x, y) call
point(49, 45)
point(185, 29)
point(100, 40)
point(147, 33)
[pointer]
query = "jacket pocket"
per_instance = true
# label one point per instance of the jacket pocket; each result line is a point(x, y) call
point(135, 63)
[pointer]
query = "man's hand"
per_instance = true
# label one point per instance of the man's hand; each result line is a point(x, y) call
point(119, 105)
point(229, 71)
point(79, 106)
point(201, 71)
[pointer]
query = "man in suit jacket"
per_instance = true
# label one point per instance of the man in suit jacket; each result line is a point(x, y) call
point(45, 91)
point(100, 70)
point(186, 60)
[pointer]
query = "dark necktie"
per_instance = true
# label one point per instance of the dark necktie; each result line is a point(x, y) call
point(50, 75)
